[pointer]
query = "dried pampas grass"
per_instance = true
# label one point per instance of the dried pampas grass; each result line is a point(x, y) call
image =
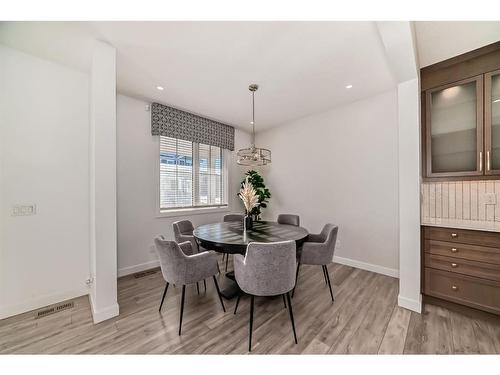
point(249, 196)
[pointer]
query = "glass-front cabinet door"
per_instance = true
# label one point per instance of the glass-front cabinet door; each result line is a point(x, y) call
point(454, 127)
point(492, 121)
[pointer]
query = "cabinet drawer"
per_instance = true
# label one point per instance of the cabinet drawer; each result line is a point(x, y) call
point(472, 237)
point(463, 266)
point(471, 291)
point(463, 251)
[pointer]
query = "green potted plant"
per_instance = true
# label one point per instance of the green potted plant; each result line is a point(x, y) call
point(263, 193)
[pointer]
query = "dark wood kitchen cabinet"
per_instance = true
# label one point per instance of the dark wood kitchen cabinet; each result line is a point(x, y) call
point(461, 116)
point(492, 122)
point(454, 132)
point(462, 266)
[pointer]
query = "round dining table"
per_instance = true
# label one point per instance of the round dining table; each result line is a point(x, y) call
point(231, 238)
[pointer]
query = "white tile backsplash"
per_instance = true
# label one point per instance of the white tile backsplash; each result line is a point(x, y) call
point(461, 200)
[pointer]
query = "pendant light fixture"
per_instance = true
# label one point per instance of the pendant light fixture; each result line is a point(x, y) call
point(253, 156)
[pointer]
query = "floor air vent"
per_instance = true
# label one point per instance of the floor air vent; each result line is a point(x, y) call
point(54, 309)
point(138, 275)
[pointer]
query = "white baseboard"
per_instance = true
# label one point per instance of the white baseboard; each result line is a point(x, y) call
point(138, 268)
point(392, 272)
point(105, 313)
point(40, 302)
point(411, 304)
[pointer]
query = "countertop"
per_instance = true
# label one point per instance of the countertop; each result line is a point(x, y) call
point(488, 226)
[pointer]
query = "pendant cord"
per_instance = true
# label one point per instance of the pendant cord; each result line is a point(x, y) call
point(253, 156)
point(253, 118)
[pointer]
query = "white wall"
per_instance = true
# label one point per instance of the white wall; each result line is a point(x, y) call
point(45, 161)
point(137, 157)
point(398, 39)
point(341, 167)
point(102, 182)
point(409, 195)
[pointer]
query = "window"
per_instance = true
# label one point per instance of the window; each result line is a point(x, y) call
point(191, 175)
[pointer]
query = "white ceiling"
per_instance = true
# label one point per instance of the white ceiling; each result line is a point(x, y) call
point(438, 41)
point(206, 67)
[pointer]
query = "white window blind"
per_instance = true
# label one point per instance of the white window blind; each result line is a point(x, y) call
point(191, 174)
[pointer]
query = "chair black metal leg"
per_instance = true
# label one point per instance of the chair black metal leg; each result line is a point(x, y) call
point(163, 298)
point(251, 325)
point(296, 279)
point(237, 303)
point(205, 285)
point(329, 284)
point(291, 315)
point(284, 301)
point(324, 274)
point(227, 260)
point(218, 293)
point(197, 287)
point(182, 307)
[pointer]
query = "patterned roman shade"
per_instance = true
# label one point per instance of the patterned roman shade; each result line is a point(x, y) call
point(172, 122)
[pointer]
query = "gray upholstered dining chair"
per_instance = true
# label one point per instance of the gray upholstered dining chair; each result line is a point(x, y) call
point(183, 231)
point(179, 268)
point(268, 269)
point(319, 250)
point(229, 218)
point(289, 219)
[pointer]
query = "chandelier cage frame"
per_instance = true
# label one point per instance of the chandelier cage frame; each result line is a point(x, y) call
point(253, 156)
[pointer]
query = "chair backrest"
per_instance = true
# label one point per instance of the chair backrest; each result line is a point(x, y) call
point(289, 219)
point(269, 268)
point(329, 238)
point(172, 259)
point(183, 231)
point(182, 227)
point(234, 217)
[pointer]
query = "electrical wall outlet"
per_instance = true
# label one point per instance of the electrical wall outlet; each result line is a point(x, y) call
point(490, 198)
point(24, 210)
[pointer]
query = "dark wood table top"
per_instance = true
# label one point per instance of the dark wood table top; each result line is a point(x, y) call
point(230, 238)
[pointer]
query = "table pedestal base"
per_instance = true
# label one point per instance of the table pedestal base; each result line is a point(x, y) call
point(230, 288)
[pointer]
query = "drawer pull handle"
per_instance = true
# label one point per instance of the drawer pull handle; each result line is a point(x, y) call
point(454, 235)
point(454, 288)
point(454, 265)
point(454, 250)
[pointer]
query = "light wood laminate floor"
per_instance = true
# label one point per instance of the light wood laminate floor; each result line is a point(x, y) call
point(364, 318)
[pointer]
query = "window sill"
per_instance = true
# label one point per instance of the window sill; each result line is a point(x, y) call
point(192, 211)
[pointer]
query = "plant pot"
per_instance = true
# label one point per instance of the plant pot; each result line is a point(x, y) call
point(248, 222)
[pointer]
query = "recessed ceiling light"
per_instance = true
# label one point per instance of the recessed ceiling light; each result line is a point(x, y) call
point(251, 122)
point(160, 88)
point(348, 87)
